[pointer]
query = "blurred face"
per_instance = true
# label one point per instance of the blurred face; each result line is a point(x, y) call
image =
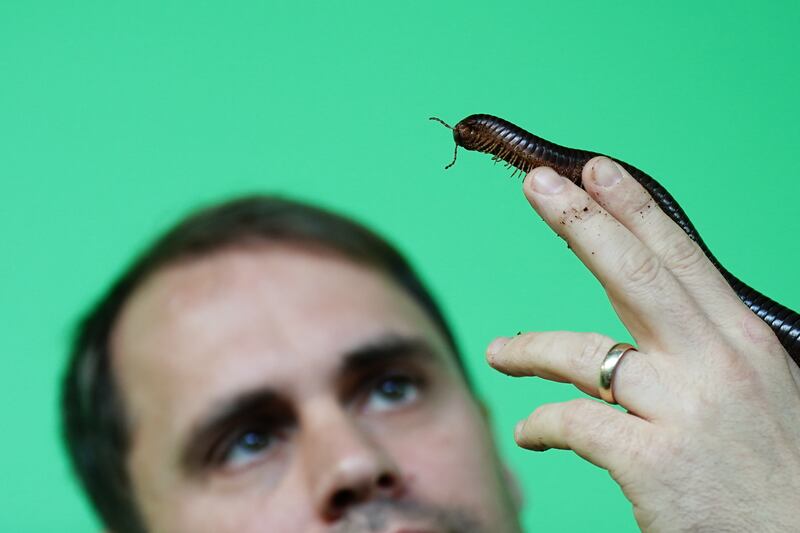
point(279, 388)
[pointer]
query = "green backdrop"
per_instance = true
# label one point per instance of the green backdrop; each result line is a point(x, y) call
point(118, 117)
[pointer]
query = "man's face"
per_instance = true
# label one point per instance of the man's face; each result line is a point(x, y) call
point(278, 388)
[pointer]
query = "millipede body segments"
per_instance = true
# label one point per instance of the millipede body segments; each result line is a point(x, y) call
point(525, 151)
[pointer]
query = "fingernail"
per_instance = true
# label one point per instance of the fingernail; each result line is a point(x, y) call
point(547, 181)
point(518, 429)
point(606, 172)
point(496, 345)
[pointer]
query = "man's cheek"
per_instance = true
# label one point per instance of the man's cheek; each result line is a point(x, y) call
point(450, 464)
point(243, 511)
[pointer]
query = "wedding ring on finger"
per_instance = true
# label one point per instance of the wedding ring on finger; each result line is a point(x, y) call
point(608, 367)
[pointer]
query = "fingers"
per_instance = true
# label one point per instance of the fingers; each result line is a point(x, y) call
point(567, 356)
point(654, 307)
point(602, 435)
point(628, 201)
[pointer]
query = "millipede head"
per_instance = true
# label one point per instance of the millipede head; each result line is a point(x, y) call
point(469, 134)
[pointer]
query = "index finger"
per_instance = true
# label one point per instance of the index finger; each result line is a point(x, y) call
point(654, 306)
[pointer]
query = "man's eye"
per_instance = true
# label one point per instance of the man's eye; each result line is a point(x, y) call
point(247, 448)
point(392, 392)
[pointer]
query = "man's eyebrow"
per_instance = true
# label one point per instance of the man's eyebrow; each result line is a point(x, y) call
point(265, 401)
point(386, 349)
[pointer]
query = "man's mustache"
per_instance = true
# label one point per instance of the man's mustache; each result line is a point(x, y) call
point(376, 516)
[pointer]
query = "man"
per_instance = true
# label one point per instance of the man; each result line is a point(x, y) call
point(270, 367)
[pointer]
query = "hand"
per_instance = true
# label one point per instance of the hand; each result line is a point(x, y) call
point(711, 437)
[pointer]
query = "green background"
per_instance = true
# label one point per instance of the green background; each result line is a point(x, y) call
point(118, 117)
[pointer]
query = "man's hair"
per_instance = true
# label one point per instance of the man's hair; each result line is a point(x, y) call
point(94, 419)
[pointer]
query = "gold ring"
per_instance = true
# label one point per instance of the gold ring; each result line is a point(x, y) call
point(608, 367)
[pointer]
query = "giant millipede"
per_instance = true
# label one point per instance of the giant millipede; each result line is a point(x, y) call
point(525, 151)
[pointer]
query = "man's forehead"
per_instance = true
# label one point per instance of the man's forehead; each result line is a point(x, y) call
point(238, 271)
point(231, 320)
point(227, 291)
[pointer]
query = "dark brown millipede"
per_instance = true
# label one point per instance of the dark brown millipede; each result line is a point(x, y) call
point(524, 151)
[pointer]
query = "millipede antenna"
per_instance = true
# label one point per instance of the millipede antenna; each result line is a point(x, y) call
point(448, 126)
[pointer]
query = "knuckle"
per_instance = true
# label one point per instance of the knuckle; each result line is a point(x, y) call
point(582, 423)
point(534, 343)
point(573, 416)
point(548, 350)
point(702, 409)
point(755, 330)
point(708, 396)
point(538, 414)
point(592, 353)
point(682, 255)
point(737, 370)
point(640, 266)
point(741, 371)
point(638, 202)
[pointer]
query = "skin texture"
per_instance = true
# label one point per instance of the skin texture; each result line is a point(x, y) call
point(386, 441)
point(710, 438)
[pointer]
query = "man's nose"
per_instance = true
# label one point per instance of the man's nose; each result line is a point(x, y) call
point(345, 465)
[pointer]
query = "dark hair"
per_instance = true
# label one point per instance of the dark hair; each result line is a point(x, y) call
point(95, 427)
